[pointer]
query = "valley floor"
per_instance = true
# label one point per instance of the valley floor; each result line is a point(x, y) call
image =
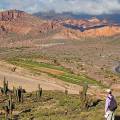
point(73, 63)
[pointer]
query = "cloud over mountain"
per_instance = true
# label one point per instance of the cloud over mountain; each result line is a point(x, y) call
point(94, 7)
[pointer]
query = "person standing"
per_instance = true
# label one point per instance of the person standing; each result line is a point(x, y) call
point(110, 105)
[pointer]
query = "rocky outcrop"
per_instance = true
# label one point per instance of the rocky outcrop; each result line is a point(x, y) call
point(23, 23)
point(9, 22)
point(16, 21)
point(11, 15)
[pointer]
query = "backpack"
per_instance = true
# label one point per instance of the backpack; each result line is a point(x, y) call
point(113, 104)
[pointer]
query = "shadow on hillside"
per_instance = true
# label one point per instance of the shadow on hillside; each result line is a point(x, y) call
point(117, 117)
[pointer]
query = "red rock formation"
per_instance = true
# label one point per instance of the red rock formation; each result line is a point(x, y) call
point(76, 34)
point(90, 28)
point(11, 15)
point(23, 23)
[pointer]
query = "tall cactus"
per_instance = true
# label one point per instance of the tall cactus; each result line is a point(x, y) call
point(83, 97)
point(18, 93)
point(85, 88)
point(5, 89)
point(8, 107)
point(14, 91)
point(39, 92)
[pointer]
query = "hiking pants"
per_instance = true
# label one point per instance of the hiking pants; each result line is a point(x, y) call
point(111, 115)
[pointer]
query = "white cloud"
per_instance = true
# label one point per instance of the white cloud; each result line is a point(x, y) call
point(77, 6)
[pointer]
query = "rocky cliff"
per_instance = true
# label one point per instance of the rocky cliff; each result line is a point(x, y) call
point(11, 15)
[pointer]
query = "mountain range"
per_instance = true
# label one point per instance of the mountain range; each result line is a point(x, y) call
point(112, 18)
point(20, 22)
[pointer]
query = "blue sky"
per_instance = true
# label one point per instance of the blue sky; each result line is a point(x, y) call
point(93, 7)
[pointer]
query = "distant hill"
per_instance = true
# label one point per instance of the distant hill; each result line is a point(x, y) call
point(54, 15)
point(113, 18)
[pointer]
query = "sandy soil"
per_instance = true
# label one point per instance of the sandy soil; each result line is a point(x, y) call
point(29, 81)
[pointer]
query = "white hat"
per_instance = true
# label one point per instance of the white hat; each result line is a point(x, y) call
point(108, 90)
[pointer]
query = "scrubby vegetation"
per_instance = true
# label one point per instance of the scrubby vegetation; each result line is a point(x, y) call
point(51, 105)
